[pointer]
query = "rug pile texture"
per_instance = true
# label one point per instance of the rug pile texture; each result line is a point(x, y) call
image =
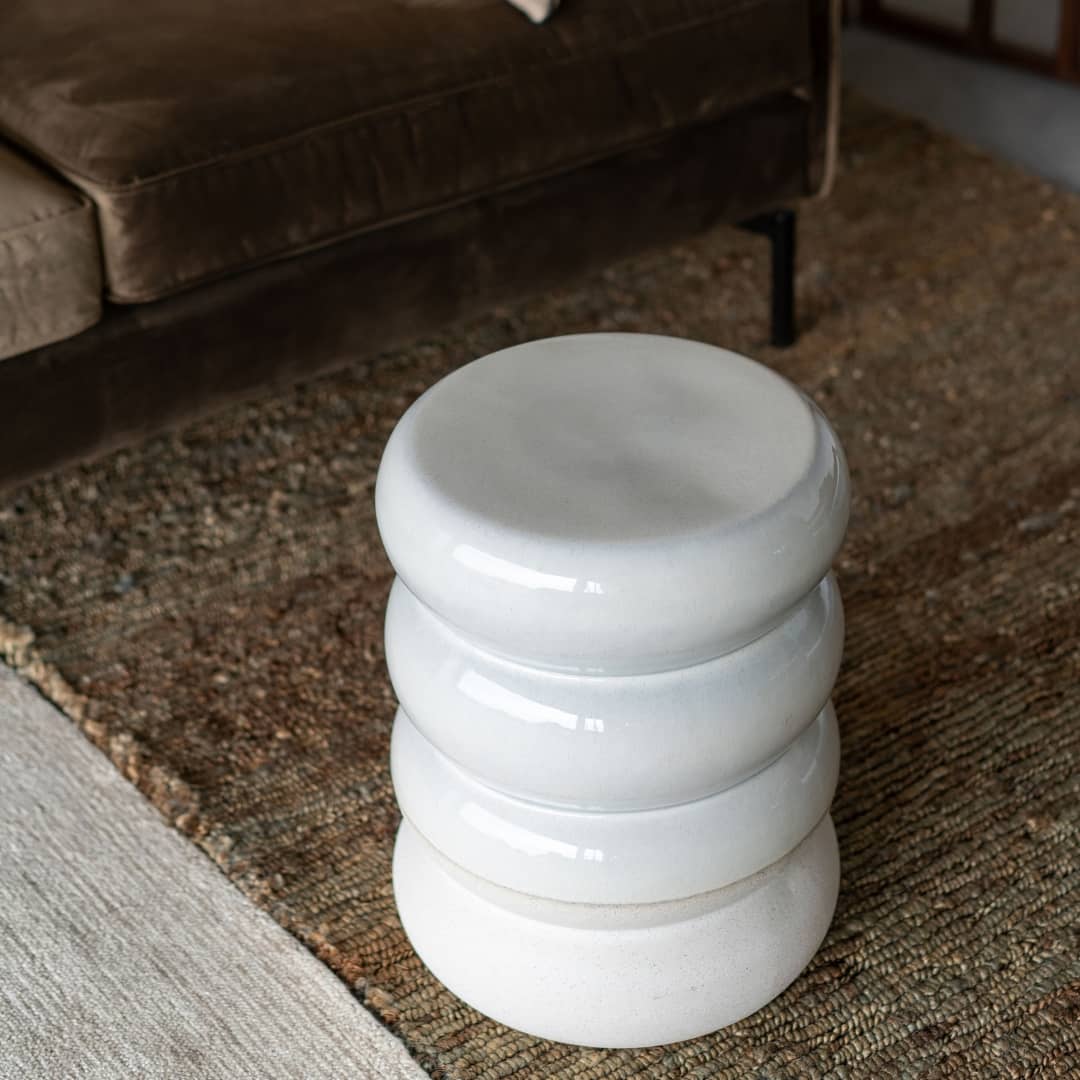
point(208, 608)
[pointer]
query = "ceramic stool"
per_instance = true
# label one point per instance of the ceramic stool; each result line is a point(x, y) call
point(613, 637)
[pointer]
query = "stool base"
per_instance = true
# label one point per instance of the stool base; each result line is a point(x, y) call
point(617, 975)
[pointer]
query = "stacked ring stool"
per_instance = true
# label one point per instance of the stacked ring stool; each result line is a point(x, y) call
point(613, 637)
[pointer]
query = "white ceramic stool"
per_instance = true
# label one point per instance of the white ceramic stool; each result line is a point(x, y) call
point(613, 638)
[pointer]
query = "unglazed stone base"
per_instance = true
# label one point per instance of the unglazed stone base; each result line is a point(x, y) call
point(617, 975)
point(613, 638)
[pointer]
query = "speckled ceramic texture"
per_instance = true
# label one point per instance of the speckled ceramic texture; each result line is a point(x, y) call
point(615, 624)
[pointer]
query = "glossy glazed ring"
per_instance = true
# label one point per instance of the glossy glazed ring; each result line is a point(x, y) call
point(633, 857)
point(597, 975)
point(626, 742)
point(612, 503)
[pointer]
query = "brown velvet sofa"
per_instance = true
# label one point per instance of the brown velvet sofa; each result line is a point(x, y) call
point(202, 198)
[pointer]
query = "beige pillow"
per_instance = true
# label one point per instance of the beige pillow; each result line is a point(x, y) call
point(537, 10)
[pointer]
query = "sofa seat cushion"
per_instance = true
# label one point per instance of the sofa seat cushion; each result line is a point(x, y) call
point(217, 134)
point(50, 261)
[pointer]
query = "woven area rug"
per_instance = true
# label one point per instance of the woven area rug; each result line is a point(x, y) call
point(208, 609)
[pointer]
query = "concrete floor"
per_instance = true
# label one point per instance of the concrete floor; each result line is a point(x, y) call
point(1017, 115)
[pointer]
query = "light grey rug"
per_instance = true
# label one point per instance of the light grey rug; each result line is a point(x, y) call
point(125, 953)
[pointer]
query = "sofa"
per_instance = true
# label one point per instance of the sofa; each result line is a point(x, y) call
point(201, 199)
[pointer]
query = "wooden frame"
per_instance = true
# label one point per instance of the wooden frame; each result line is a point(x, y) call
point(978, 37)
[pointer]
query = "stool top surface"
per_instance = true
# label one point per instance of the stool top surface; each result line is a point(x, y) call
point(562, 495)
point(613, 437)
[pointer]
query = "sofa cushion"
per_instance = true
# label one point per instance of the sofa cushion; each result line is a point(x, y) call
point(217, 134)
point(50, 261)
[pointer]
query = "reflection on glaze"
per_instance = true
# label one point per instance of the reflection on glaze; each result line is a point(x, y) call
point(618, 742)
point(514, 574)
point(647, 856)
point(514, 836)
point(482, 691)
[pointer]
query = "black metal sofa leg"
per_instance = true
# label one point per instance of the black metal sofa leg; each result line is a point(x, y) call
point(779, 227)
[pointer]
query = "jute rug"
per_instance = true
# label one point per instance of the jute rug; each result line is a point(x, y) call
point(208, 608)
